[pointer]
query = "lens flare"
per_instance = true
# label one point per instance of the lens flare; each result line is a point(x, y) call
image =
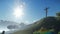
point(18, 11)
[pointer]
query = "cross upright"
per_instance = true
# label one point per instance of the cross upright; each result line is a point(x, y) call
point(46, 9)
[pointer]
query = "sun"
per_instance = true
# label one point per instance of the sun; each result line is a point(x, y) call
point(18, 11)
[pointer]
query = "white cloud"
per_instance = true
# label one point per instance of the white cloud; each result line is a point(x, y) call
point(4, 30)
point(35, 20)
point(27, 22)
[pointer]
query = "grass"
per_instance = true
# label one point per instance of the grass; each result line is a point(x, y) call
point(45, 32)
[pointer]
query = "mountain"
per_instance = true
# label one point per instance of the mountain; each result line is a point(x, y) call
point(48, 23)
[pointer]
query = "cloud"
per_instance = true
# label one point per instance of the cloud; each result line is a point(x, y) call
point(12, 27)
point(19, 2)
point(35, 20)
point(2, 29)
point(27, 22)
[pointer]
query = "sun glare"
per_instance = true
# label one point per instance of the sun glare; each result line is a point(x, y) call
point(18, 11)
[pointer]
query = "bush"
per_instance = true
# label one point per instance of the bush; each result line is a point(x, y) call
point(36, 32)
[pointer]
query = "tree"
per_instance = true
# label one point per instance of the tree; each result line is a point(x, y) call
point(57, 24)
point(58, 14)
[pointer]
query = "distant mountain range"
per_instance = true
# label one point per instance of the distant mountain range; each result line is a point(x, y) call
point(9, 25)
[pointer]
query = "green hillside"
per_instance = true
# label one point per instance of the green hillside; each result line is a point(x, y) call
point(47, 23)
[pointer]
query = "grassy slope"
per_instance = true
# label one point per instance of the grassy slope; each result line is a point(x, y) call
point(37, 25)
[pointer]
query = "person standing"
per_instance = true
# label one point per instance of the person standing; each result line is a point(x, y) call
point(3, 32)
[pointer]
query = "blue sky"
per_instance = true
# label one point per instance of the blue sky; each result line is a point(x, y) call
point(33, 9)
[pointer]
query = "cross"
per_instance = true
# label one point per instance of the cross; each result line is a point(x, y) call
point(46, 9)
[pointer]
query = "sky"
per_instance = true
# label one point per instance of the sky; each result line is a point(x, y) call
point(27, 11)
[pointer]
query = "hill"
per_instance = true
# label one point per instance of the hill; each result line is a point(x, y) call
point(49, 22)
